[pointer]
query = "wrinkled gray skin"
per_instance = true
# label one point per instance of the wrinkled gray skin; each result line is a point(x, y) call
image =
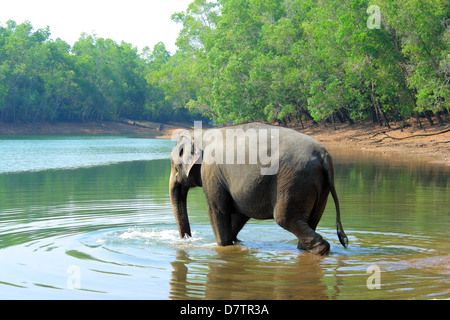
point(295, 197)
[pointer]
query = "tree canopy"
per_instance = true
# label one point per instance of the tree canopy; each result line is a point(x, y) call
point(96, 79)
point(242, 60)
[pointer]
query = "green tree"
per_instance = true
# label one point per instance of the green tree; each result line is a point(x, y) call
point(36, 73)
point(242, 60)
point(421, 32)
point(157, 106)
point(286, 60)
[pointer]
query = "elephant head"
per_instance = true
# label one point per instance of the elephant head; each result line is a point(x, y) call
point(185, 174)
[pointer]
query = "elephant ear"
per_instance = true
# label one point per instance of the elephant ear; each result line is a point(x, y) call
point(190, 154)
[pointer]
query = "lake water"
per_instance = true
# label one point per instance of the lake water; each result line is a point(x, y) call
point(90, 218)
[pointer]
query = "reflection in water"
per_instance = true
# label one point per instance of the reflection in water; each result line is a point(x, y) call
point(234, 274)
point(389, 193)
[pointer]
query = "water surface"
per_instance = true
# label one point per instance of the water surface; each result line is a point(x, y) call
point(90, 218)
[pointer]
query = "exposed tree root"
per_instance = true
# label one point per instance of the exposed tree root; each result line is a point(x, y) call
point(413, 136)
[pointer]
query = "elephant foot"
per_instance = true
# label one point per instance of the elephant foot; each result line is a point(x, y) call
point(319, 248)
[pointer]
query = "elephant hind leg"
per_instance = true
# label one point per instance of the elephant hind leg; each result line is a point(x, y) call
point(296, 221)
point(318, 209)
point(310, 240)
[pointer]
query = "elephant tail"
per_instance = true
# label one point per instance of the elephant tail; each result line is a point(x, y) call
point(329, 170)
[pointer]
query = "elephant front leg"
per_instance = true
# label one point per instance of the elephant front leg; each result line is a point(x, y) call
point(238, 221)
point(221, 225)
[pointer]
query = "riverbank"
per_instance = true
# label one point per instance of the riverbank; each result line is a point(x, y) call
point(432, 142)
point(123, 127)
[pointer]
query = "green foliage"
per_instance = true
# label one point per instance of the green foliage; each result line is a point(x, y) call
point(96, 79)
point(242, 60)
point(423, 28)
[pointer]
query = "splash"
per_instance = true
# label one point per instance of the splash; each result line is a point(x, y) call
point(154, 236)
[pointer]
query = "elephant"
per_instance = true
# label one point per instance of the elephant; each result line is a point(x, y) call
point(293, 191)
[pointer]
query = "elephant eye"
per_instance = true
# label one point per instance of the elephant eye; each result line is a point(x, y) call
point(181, 152)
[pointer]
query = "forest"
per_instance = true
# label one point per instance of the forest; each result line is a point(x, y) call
point(95, 79)
point(243, 60)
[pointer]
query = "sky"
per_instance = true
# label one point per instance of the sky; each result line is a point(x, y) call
point(139, 22)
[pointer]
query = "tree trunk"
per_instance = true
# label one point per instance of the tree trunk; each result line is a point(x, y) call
point(308, 115)
point(427, 115)
point(439, 118)
point(301, 122)
point(378, 108)
point(418, 120)
point(347, 117)
point(384, 116)
point(339, 116)
point(333, 122)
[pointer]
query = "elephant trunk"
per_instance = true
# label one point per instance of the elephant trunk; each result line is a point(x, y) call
point(178, 196)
